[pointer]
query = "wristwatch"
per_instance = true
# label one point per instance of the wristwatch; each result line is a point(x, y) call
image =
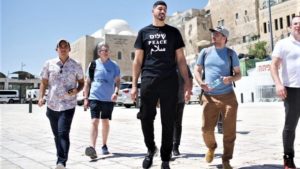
point(117, 93)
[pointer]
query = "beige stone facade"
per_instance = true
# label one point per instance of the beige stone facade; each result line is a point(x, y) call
point(282, 13)
point(193, 25)
point(121, 50)
point(240, 17)
point(247, 21)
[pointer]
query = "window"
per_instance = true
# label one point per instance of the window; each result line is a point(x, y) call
point(221, 22)
point(265, 27)
point(246, 12)
point(293, 15)
point(288, 21)
point(244, 39)
point(132, 55)
point(281, 23)
point(236, 16)
point(276, 24)
point(119, 55)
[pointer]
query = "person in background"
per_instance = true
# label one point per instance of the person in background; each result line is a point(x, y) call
point(63, 76)
point(286, 55)
point(179, 112)
point(218, 62)
point(159, 50)
point(100, 94)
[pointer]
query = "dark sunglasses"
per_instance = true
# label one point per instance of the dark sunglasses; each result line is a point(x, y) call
point(60, 71)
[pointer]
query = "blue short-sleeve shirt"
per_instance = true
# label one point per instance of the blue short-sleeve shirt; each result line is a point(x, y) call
point(216, 65)
point(103, 85)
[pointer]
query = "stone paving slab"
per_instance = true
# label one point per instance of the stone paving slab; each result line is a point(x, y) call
point(27, 141)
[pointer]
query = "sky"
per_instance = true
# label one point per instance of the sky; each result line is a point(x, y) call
point(30, 29)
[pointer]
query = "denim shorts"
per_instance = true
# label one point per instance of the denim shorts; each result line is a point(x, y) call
point(100, 109)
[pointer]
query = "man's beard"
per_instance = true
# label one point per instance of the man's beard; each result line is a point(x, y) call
point(161, 17)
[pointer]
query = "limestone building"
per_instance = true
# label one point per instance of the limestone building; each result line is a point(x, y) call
point(118, 35)
point(282, 12)
point(193, 25)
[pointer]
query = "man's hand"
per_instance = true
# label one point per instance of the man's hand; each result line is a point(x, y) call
point(85, 104)
point(205, 87)
point(72, 92)
point(281, 91)
point(114, 97)
point(133, 93)
point(41, 102)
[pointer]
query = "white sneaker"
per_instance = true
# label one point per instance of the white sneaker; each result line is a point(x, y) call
point(60, 166)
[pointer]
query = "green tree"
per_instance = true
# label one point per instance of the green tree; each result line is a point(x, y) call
point(259, 51)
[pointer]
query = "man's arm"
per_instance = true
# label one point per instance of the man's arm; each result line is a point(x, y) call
point(80, 85)
point(43, 87)
point(235, 77)
point(181, 63)
point(198, 76)
point(280, 89)
point(117, 87)
point(86, 93)
point(136, 70)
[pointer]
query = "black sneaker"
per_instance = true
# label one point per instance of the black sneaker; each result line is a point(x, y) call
point(105, 150)
point(175, 151)
point(149, 158)
point(289, 162)
point(165, 165)
point(91, 152)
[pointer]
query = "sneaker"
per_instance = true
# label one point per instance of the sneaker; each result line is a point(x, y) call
point(289, 162)
point(60, 166)
point(176, 151)
point(149, 158)
point(209, 156)
point(91, 152)
point(105, 150)
point(226, 165)
point(165, 165)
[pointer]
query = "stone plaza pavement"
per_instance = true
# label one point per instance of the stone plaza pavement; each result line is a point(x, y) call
point(27, 141)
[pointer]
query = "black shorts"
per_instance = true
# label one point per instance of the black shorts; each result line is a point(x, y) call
point(100, 109)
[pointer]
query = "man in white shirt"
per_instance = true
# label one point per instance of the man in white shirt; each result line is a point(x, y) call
point(287, 54)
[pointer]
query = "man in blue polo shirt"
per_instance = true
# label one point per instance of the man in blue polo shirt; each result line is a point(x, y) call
point(220, 71)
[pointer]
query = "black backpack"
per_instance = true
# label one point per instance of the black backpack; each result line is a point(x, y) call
point(92, 70)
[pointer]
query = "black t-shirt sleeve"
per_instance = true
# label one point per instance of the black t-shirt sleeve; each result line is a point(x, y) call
point(139, 41)
point(179, 41)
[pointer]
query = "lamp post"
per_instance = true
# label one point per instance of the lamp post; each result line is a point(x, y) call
point(270, 26)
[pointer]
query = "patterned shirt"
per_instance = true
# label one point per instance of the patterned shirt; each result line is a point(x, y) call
point(61, 78)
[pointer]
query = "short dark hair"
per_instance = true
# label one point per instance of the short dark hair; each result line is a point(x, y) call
point(159, 3)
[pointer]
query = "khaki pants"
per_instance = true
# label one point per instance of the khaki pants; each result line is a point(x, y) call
point(212, 106)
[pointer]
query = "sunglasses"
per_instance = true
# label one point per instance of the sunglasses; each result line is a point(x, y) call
point(104, 50)
point(60, 71)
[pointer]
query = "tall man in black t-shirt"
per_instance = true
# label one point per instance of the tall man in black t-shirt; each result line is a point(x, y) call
point(159, 49)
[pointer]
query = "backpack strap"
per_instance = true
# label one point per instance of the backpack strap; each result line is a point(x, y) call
point(230, 55)
point(92, 70)
point(206, 52)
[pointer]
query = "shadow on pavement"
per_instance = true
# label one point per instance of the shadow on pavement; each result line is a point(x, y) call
point(264, 166)
point(243, 132)
point(187, 155)
point(117, 155)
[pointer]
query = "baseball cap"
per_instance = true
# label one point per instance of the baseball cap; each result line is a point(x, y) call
point(220, 29)
point(63, 41)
